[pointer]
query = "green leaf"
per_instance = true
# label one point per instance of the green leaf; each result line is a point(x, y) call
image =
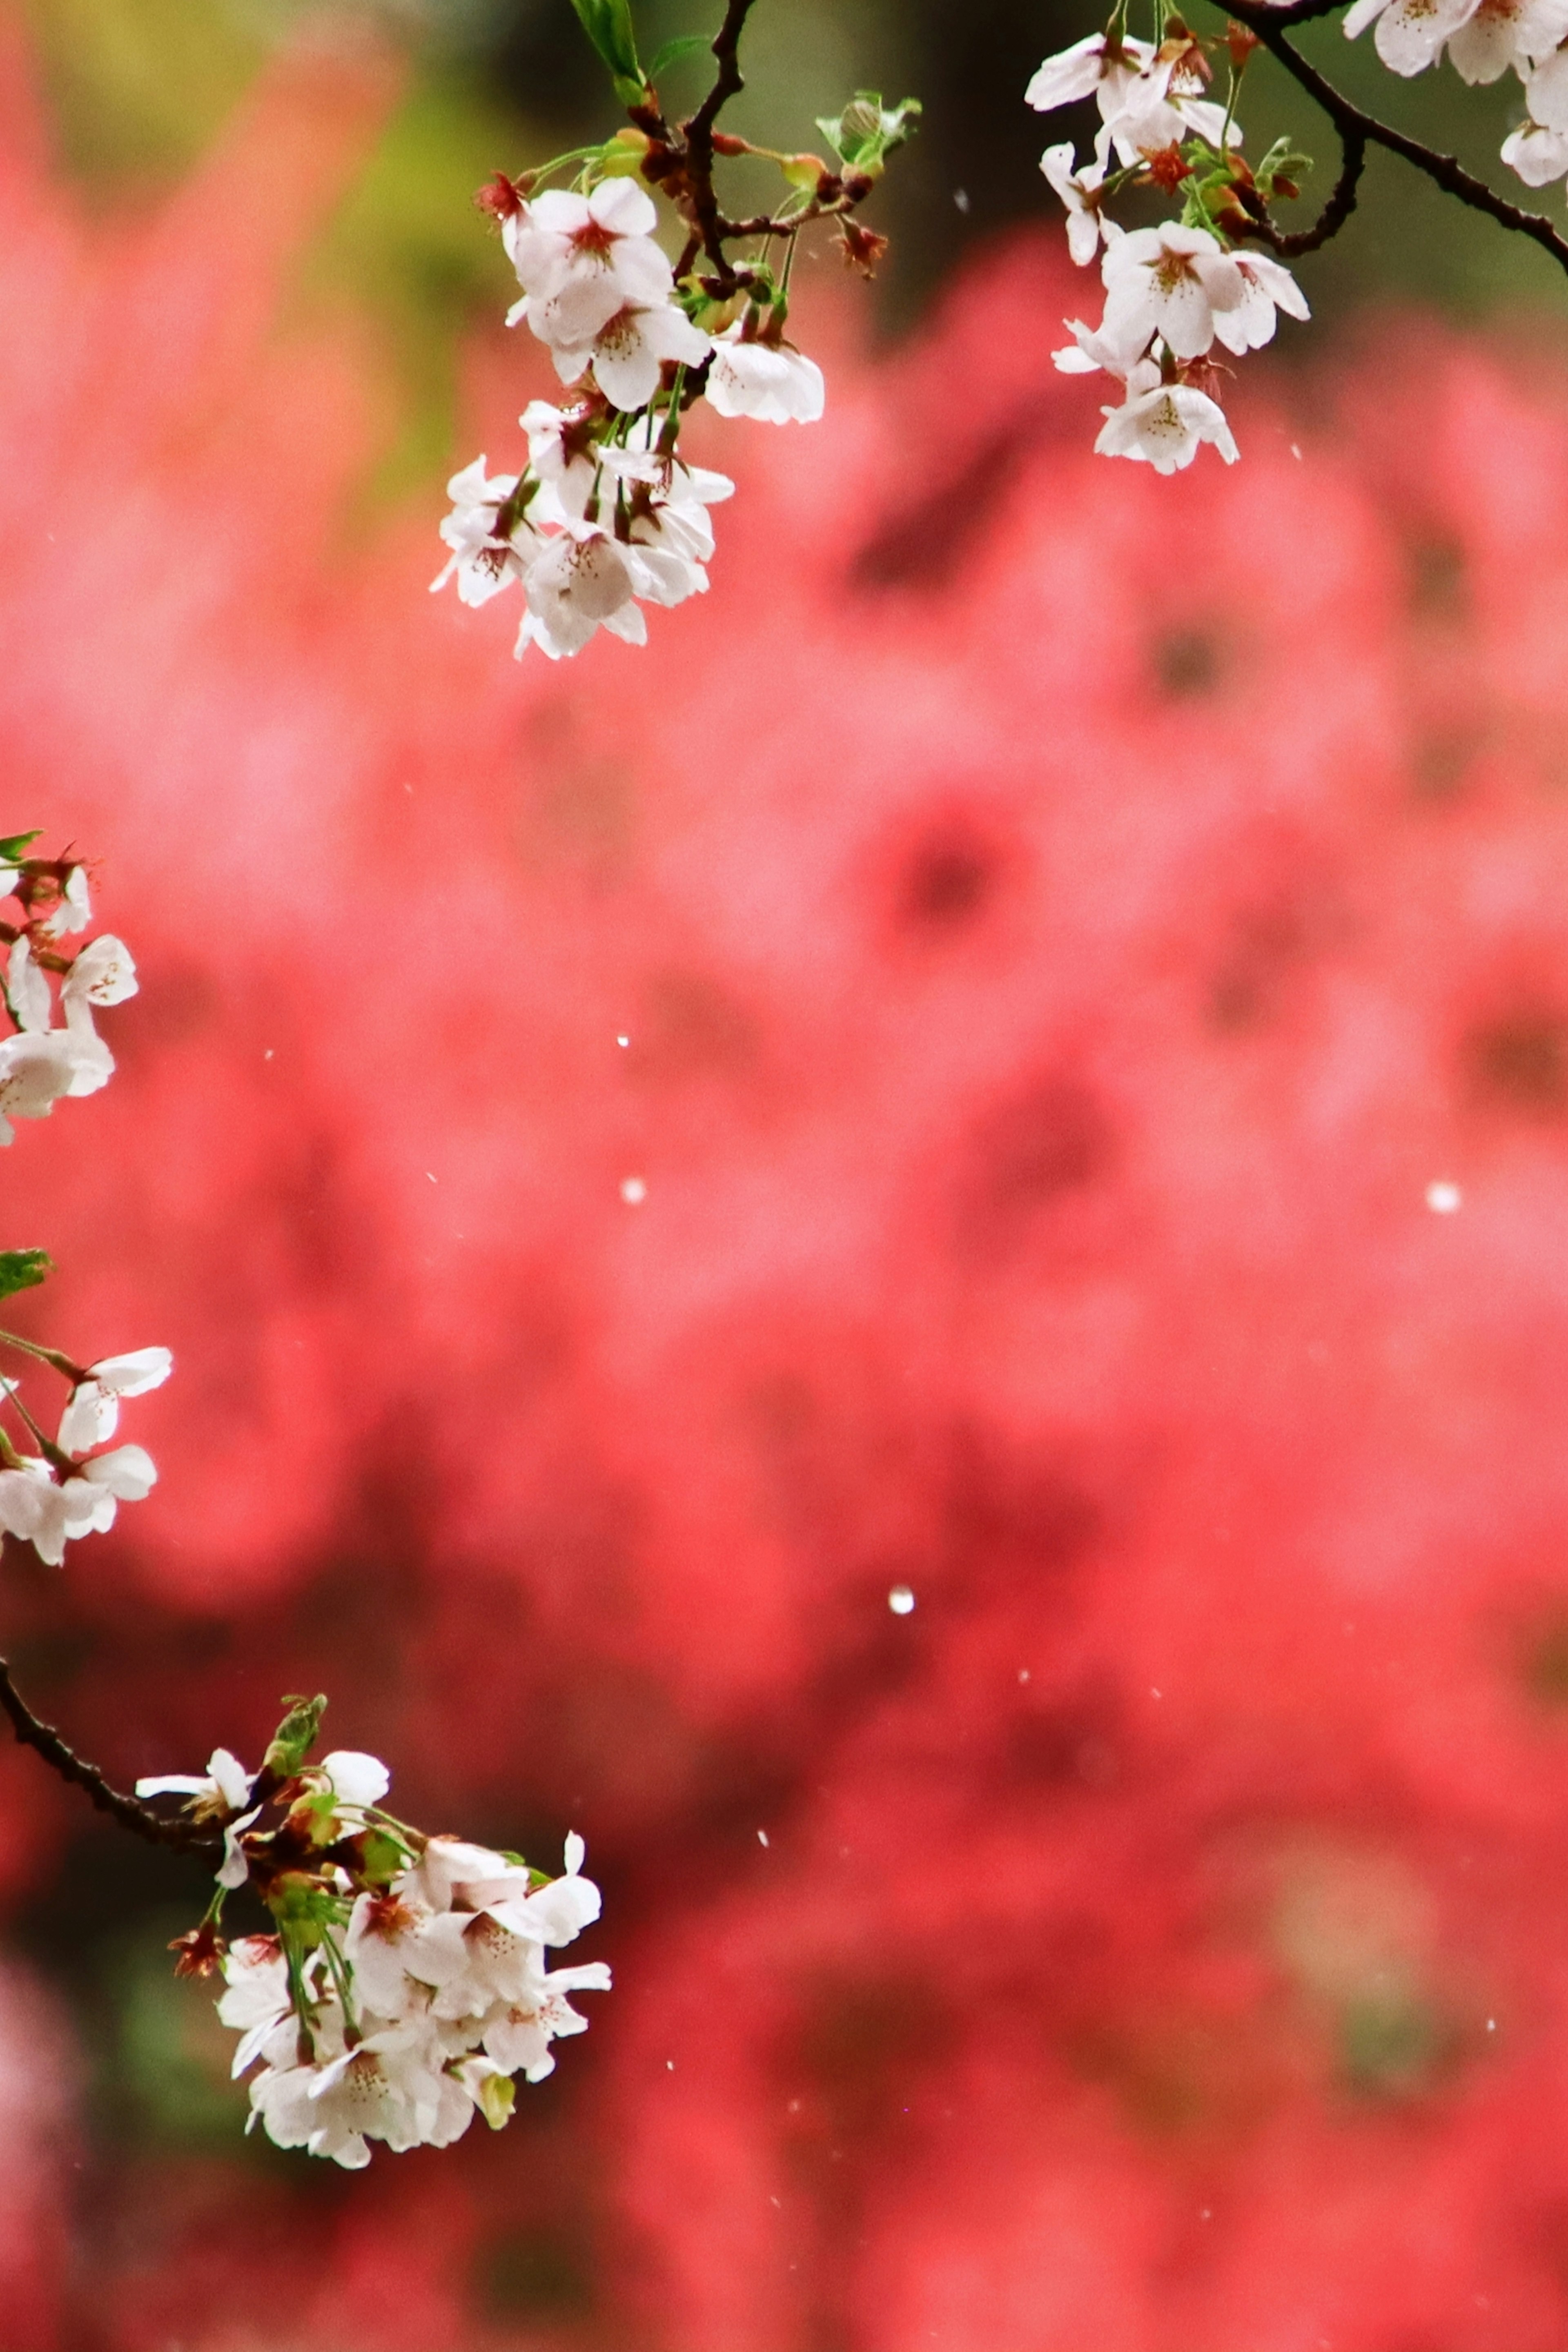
point(295, 1736)
point(15, 844)
point(867, 132)
point(608, 24)
point(685, 45)
point(22, 1270)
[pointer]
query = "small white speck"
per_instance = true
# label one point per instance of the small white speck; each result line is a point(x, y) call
point(1022, 1673)
point(1207, 2214)
point(623, 1041)
point(409, 789)
point(761, 1837)
point(901, 1601)
point(1295, 451)
point(670, 2063)
point(1491, 2025)
point(1154, 1694)
point(1443, 1197)
point(268, 1055)
point(431, 1177)
point(960, 198)
point(778, 2201)
point(633, 1190)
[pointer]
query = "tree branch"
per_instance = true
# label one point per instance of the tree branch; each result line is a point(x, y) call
point(728, 83)
point(1355, 126)
point(183, 1836)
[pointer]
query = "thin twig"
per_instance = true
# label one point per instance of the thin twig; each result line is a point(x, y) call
point(1340, 204)
point(131, 1814)
point(1354, 124)
point(728, 83)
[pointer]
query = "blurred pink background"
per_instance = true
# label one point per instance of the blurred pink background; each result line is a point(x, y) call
point(1062, 922)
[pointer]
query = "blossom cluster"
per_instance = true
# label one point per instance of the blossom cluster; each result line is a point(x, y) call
point(605, 517)
point(1485, 39)
point(45, 1058)
point(1172, 291)
point(66, 1487)
point(406, 1982)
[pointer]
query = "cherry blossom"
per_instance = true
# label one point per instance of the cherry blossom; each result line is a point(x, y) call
point(628, 351)
point(36, 1070)
point(72, 909)
point(1170, 281)
point(773, 382)
point(481, 563)
point(1410, 33)
point(92, 1413)
point(103, 973)
point(1268, 285)
point(580, 259)
point(1164, 424)
point(1079, 191)
point(1537, 155)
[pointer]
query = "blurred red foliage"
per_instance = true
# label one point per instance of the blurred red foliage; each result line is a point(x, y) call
point(1053, 974)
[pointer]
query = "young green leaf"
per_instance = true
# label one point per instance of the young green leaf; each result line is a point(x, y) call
point(15, 845)
point(22, 1270)
point(684, 44)
point(608, 24)
point(867, 132)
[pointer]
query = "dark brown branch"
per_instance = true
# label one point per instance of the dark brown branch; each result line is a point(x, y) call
point(1353, 125)
point(728, 83)
point(184, 1836)
point(1341, 202)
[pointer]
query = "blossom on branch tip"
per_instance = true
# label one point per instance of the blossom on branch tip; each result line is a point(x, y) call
point(1410, 33)
point(1169, 281)
point(580, 259)
point(1537, 155)
point(772, 382)
point(1164, 424)
point(72, 910)
point(482, 561)
point(102, 973)
point(224, 1788)
point(1267, 287)
point(92, 1413)
point(36, 1069)
point(628, 353)
point(1079, 191)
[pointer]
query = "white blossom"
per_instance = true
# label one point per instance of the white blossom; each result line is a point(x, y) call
point(224, 1788)
point(1169, 281)
point(1537, 155)
point(628, 353)
point(772, 382)
point(390, 2087)
point(1164, 424)
point(580, 259)
point(517, 2032)
point(72, 912)
point(1268, 285)
point(27, 988)
point(103, 973)
point(562, 455)
point(481, 563)
point(1091, 350)
point(1079, 191)
point(1410, 33)
point(582, 581)
point(36, 1071)
point(258, 1999)
point(92, 1413)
